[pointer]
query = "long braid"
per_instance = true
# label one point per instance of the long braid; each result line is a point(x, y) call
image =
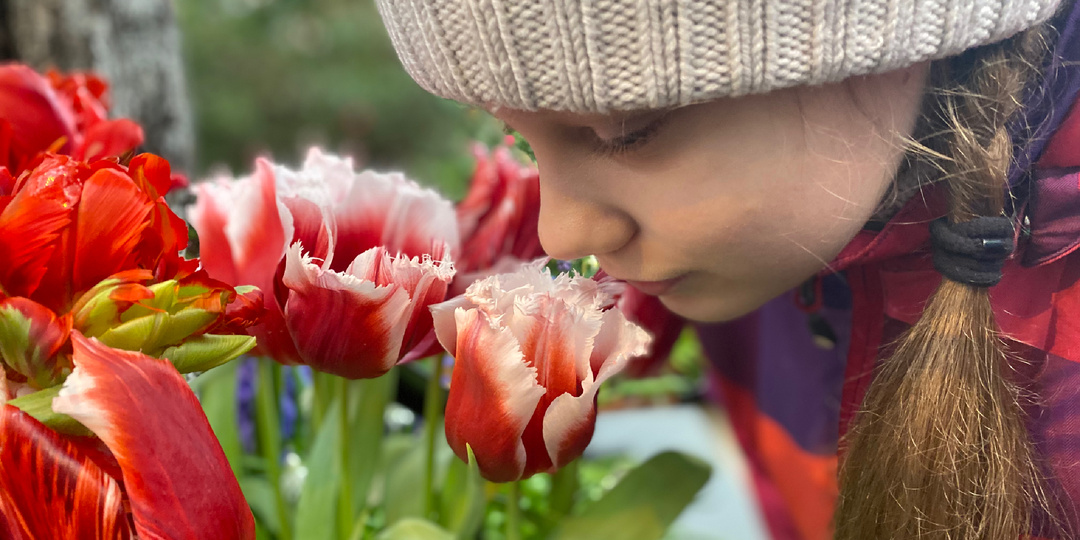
point(940, 449)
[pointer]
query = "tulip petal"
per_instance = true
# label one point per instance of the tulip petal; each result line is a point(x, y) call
point(37, 115)
point(665, 327)
point(109, 138)
point(568, 426)
point(618, 342)
point(29, 228)
point(493, 394)
point(33, 224)
point(175, 474)
point(392, 211)
point(259, 228)
point(426, 281)
point(556, 338)
point(445, 321)
point(345, 323)
point(111, 218)
point(312, 228)
point(209, 217)
point(51, 488)
point(207, 351)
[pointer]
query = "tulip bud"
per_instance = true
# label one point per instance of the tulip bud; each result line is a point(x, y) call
point(31, 337)
point(170, 319)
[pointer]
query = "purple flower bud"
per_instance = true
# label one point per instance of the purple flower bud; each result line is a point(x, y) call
point(246, 384)
point(287, 403)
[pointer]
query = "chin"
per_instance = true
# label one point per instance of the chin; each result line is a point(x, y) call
point(708, 309)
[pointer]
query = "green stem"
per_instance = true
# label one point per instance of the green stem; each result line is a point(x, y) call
point(513, 512)
point(345, 504)
point(432, 408)
point(267, 426)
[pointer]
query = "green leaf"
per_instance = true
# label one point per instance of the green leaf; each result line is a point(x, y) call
point(394, 449)
point(643, 505)
point(217, 394)
point(39, 405)
point(316, 512)
point(415, 529)
point(462, 500)
point(405, 485)
point(260, 496)
point(202, 353)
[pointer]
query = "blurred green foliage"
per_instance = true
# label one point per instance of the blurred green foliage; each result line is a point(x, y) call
point(277, 76)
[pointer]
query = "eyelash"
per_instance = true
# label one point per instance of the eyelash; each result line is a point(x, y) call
point(628, 142)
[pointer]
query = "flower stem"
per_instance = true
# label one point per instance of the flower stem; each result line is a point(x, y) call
point(513, 512)
point(267, 427)
point(432, 407)
point(345, 504)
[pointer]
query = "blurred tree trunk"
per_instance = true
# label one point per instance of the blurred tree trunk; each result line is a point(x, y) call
point(134, 44)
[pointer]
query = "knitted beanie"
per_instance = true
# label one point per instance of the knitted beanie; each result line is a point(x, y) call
point(604, 55)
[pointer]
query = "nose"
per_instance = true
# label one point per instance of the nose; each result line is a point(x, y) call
point(573, 225)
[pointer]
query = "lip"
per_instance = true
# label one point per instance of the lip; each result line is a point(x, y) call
point(656, 288)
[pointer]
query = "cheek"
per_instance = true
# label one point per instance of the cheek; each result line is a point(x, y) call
point(756, 239)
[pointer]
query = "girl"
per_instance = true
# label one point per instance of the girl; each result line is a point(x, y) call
point(909, 169)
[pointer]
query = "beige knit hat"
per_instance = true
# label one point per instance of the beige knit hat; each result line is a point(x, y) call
point(603, 55)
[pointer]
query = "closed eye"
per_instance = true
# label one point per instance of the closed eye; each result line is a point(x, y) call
point(629, 142)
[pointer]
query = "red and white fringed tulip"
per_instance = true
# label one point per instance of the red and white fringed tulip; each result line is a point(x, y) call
point(499, 215)
point(383, 246)
point(175, 478)
point(358, 323)
point(530, 354)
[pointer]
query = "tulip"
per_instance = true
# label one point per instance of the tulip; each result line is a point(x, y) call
point(162, 473)
point(354, 259)
point(68, 225)
point(530, 354)
point(498, 216)
point(31, 337)
point(94, 248)
point(192, 321)
point(498, 222)
point(63, 114)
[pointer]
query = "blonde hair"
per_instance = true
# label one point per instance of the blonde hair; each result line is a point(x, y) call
point(940, 449)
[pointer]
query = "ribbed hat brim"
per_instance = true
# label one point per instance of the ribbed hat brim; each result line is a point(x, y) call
point(602, 55)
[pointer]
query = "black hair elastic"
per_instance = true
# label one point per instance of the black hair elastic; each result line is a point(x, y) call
point(972, 252)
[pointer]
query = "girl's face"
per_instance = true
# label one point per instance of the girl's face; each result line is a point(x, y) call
point(718, 207)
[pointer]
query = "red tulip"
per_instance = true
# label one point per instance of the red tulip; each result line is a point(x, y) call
point(163, 474)
point(95, 248)
point(531, 353)
point(68, 225)
point(499, 215)
point(63, 114)
point(383, 247)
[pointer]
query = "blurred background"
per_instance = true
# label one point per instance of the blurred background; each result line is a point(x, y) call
point(277, 76)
